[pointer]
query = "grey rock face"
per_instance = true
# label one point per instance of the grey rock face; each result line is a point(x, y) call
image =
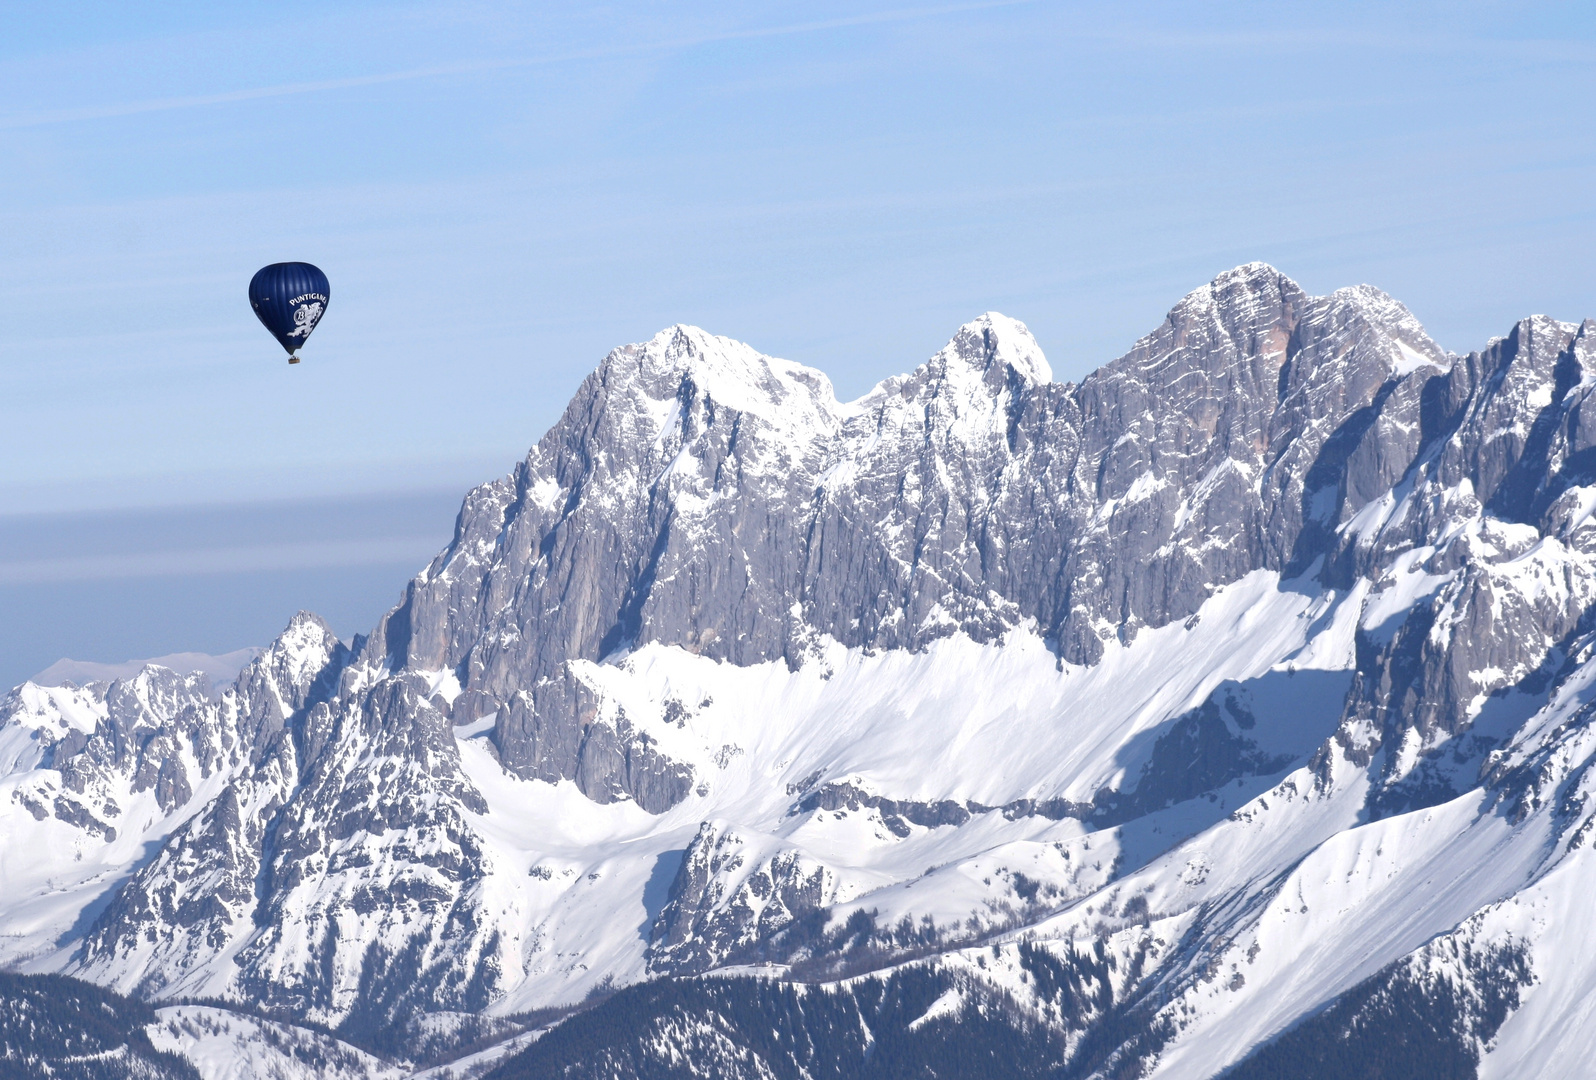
point(157, 732)
point(730, 900)
point(373, 836)
point(554, 731)
point(202, 887)
point(136, 737)
point(1490, 508)
point(344, 807)
point(698, 494)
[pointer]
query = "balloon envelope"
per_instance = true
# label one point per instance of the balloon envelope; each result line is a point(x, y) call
point(289, 299)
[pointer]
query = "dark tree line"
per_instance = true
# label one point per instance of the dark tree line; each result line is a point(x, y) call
point(55, 1027)
point(1395, 1027)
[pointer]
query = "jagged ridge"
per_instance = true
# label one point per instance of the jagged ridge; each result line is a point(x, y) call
point(1281, 582)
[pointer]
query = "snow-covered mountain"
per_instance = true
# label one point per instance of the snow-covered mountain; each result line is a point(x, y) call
point(1232, 704)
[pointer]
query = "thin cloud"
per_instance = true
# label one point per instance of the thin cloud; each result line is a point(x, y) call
point(153, 105)
point(221, 560)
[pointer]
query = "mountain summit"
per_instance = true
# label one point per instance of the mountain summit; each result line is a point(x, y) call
point(1225, 706)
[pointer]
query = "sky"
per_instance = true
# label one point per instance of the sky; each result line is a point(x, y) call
point(501, 193)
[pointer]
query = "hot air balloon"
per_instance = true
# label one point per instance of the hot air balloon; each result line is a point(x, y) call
point(289, 299)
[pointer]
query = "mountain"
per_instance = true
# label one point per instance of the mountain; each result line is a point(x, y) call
point(220, 670)
point(1227, 710)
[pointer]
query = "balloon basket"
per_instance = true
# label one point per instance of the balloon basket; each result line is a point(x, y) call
point(293, 359)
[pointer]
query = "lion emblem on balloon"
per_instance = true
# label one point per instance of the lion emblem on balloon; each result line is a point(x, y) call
point(305, 318)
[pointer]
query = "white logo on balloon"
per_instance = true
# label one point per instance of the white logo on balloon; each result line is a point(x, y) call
point(305, 318)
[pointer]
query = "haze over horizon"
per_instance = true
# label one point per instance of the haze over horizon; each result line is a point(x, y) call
point(500, 195)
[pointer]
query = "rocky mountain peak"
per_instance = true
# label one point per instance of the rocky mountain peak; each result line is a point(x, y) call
point(281, 680)
point(294, 660)
point(1254, 312)
point(673, 378)
point(993, 346)
point(1245, 305)
point(155, 693)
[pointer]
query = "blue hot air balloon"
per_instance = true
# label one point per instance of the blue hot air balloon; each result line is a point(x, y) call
point(289, 299)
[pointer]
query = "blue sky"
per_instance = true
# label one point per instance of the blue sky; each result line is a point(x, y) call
point(501, 193)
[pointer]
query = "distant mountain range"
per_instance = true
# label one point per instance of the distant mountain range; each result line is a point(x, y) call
point(1229, 710)
point(221, 670)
